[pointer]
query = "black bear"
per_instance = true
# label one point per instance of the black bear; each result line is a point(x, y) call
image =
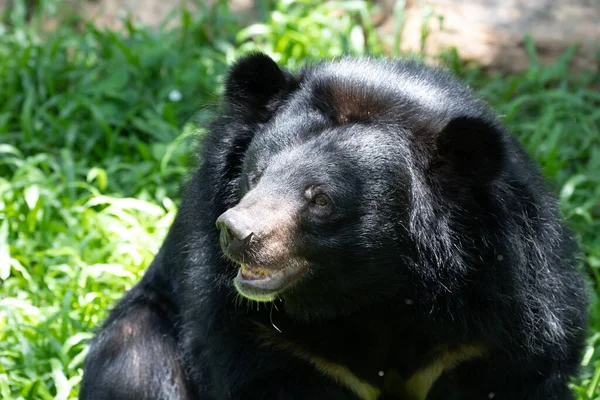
point(362, 229)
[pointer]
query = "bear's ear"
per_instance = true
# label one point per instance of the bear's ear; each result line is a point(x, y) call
point(254, 84)
point(471, 148)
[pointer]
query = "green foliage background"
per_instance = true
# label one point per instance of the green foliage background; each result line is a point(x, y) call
point(97, 134)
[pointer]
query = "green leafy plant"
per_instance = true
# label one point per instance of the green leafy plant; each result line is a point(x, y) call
point(308, 30)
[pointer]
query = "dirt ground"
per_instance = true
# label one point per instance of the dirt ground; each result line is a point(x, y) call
point(489, 32)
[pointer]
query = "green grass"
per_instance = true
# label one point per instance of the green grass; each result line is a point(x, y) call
point(97, 131)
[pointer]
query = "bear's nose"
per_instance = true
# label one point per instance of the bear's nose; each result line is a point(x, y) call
point(235, 232)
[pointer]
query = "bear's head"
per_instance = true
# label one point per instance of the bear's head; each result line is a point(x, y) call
point(347, 190)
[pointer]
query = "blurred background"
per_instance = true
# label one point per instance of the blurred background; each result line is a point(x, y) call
point(102, 103)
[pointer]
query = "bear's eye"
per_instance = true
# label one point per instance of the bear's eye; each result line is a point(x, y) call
point(318, 201)
point(321, 200)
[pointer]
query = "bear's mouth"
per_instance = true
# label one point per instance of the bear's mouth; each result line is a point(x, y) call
point(265, 284)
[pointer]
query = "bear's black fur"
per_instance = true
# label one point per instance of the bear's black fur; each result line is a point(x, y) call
point(396, 240)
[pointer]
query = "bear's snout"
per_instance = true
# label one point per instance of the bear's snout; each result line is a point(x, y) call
point(259, 230)
point(235, 233)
